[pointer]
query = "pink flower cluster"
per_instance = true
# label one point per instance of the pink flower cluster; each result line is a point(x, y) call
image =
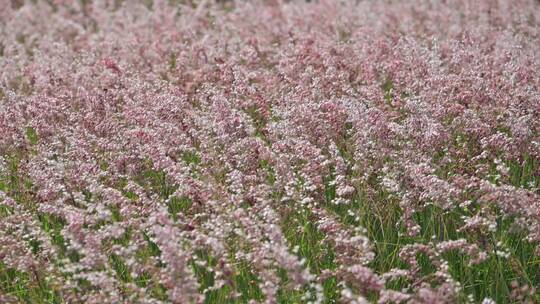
point(170, 138)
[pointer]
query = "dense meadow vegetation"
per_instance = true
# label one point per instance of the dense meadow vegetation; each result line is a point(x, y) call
point(172, 151)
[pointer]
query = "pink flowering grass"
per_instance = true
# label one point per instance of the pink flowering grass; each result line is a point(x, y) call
point(170, 151)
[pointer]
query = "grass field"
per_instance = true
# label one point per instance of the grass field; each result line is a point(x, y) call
point(269, 151)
